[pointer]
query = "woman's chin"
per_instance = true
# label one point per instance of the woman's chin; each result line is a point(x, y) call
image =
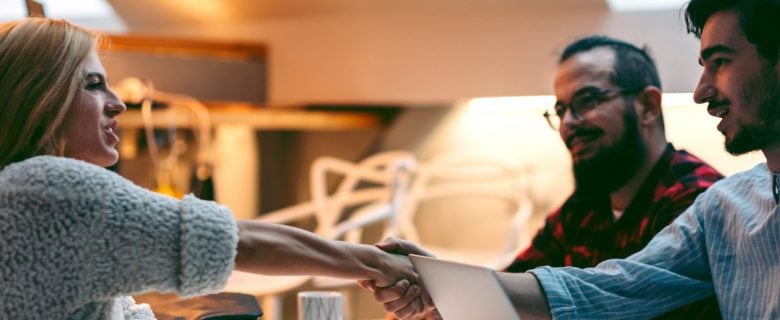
point(104, 159)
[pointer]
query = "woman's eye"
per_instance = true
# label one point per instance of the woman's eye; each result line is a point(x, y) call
point(96, 85)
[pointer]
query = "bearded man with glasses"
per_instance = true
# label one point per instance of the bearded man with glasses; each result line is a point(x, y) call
point(630, 182)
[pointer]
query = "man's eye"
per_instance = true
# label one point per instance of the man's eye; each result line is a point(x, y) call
point(560, 110)
point(715, 63)
point(584, 102)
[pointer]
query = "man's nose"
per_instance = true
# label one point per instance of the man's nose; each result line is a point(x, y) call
point(705, 89)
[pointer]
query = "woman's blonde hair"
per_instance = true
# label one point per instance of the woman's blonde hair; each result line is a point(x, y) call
point(41, 69)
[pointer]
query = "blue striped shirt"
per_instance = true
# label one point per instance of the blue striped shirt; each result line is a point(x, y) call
point(727, 243)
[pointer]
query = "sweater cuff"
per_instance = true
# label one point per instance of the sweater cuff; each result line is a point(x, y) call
point(559, 298)
point(209, 236)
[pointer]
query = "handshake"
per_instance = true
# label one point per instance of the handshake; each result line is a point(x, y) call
point(406, 299)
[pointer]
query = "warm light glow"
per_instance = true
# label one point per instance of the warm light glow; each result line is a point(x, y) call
point(76, 9)
point(67, 9)
point(678, 99)
point(202, 9)
point(511, 128)
point(498, 123)
point(524, 102)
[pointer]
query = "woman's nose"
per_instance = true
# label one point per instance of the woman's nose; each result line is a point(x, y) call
point(114, 105)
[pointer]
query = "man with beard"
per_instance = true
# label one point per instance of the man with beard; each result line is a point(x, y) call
point(727, 244)
point(630, 182)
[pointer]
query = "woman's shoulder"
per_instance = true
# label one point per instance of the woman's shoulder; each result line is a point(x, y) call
point(55, 171)
point(48, 163)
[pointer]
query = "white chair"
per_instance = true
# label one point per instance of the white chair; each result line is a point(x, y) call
point(482, 198)
point(368, 193)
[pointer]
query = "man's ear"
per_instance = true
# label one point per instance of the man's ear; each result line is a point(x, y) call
point(648, 104)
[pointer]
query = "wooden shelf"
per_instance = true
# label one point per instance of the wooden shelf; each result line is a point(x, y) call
point(260, 119)
point(220, 112)
point(185, 47)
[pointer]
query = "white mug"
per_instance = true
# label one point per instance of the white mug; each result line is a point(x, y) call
point(320, 305)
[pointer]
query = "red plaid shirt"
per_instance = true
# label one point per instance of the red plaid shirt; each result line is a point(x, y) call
point(584, 233)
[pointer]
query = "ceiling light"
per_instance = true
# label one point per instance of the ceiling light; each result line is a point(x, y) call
point(93, 14)
point(12, 9)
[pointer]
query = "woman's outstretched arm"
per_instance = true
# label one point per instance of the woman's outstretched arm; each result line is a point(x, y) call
point(275, 249)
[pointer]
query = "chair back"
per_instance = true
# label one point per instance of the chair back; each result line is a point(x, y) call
point(368, 192)
point(477, 203)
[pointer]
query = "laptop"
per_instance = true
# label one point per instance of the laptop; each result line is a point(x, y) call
point(464, 292)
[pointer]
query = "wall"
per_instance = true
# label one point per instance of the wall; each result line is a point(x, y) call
point(436, 53)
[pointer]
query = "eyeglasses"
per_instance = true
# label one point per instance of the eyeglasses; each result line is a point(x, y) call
point(583, 103)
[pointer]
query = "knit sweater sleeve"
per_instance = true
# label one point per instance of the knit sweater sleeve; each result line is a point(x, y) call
point(72, 232)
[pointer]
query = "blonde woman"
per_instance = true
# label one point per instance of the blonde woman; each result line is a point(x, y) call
point(76, 240)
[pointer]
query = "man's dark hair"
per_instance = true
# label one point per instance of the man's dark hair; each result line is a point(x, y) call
point(759, 21)
point(633, 67)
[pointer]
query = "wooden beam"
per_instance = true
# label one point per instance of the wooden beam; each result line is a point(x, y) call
point(181, 46)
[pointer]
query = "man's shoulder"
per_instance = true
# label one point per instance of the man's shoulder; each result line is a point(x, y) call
point(687, 167)
point(747, 189)
point(759, 175)
point(687, 176)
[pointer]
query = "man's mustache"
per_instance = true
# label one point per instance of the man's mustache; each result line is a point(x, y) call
point(582, 132)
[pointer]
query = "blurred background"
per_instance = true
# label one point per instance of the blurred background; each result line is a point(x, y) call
point(235, 99)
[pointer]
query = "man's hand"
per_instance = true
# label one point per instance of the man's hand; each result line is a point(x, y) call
point(398, 246)
point(392, 268)
point(405, 300)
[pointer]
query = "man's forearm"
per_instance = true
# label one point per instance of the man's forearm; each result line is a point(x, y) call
point(526, 295)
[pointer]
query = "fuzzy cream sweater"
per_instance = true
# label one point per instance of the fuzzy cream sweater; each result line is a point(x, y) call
point(76, 240)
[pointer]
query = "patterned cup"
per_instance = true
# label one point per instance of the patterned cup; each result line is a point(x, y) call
point(320, 305)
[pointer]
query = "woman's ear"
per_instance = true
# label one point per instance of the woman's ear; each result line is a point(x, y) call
point(648, 103)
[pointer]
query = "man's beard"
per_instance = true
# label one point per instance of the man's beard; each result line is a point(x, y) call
point(612, 166)
point(764, 91)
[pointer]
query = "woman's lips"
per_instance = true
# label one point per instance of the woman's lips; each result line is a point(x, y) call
point(110, 131)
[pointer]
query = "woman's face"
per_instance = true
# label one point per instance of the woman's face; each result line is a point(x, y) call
point(89, 128)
